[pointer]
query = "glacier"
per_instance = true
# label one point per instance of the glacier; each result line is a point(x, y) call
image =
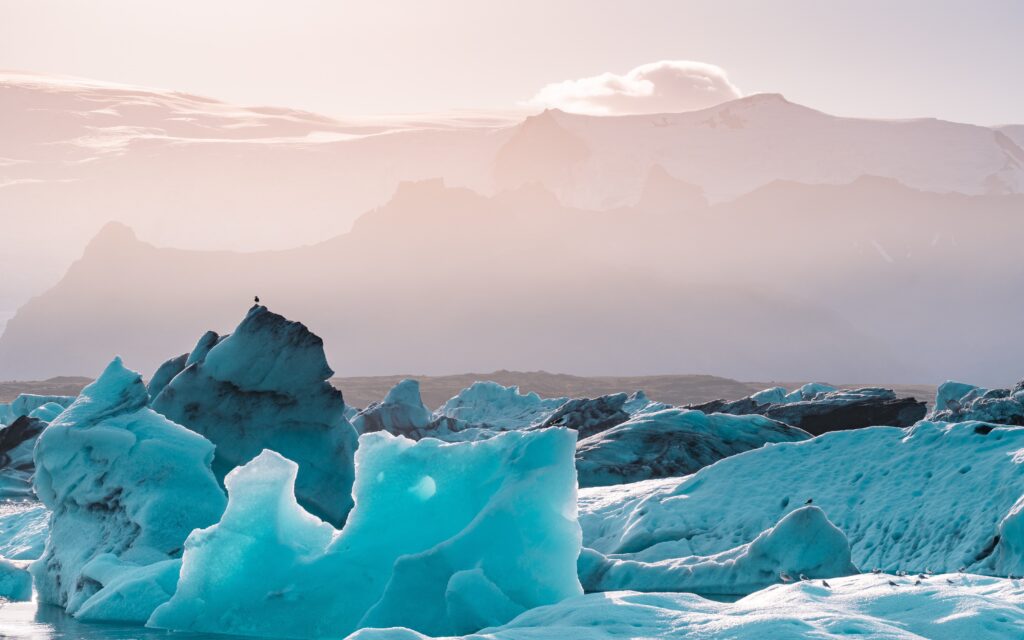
point(444, 539)
point(265, 386)
point(125, 486)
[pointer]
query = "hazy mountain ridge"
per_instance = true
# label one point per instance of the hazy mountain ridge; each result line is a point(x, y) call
point(779, 284)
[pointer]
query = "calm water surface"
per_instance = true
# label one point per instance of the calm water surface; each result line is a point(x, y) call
point(27, 620)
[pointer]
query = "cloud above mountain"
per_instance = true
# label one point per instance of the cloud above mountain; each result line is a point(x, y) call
point(657, 87)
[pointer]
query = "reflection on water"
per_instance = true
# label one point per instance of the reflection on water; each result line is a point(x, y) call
point(27, 620)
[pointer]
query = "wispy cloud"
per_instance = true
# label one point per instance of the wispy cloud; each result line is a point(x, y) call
point(658, 87)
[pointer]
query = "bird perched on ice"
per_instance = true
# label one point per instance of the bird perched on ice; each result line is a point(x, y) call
point(809, 501)
point(825, 584)
point(785, 577)
point(893, 584)
point(803, 578)
point(876, 571)
point(256, 299)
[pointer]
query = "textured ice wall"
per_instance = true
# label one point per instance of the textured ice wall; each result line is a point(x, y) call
point(444, 538)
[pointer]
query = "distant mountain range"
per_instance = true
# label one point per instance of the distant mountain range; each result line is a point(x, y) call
point(757, 239)
point(194, 173)
point(866, 281)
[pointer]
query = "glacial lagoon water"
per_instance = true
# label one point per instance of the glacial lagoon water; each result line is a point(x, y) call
point(31, 621)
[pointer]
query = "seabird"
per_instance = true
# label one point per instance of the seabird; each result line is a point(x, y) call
point(825, 584)
point(256, 299)
point(917, 583)
point(876, 570)
point(809, 501)
point(803, 577)
point(785, 577)
point(961, 569)
point(893, 584)
point(950, 581)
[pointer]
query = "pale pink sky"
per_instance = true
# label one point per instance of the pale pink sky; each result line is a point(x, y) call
point(955, 60)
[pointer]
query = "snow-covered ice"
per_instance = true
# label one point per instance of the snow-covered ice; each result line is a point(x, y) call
point(125, 487)
point(444, 538)
point(265, 387)
point(942, 607)
point(803, 543)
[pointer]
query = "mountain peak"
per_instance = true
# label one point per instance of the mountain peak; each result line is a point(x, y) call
point(113, 234)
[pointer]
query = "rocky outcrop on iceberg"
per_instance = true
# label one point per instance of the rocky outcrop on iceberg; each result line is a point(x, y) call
point(818, 408)
point(803, 543)
point(125, 486)
point(957, 401)
point(493, 406)
point(444, 539)
point(905, 498)
point(672, 442)
point(265, 387)
point(402, 412)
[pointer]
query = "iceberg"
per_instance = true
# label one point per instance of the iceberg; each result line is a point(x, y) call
point(672, 442)
point(493, 406)
point(444, 538)
point(125, 486)
point(936, 496)
point(26, 403)
point(402, 412)
point(588, 416)
point(957, 401)
point(265, 386)
point(819, 408)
